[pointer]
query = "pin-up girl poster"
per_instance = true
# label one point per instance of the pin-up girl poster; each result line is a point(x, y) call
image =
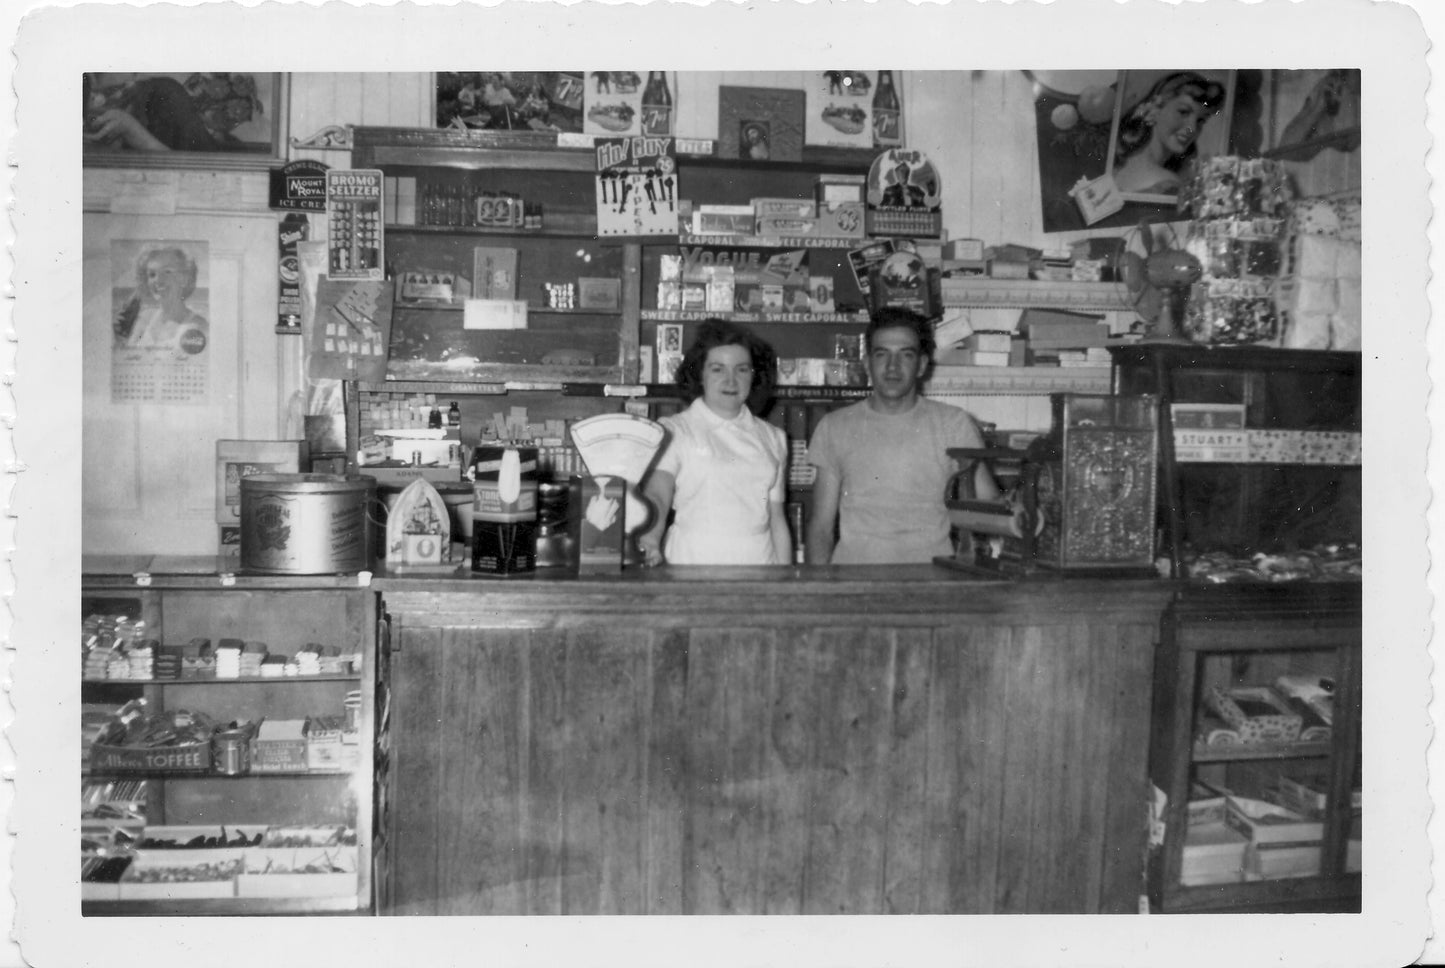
point(159, 325)
point(1144, 129)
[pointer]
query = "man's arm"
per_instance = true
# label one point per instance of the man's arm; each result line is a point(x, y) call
point(827, 487)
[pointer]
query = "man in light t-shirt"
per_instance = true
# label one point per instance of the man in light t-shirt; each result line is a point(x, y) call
point(883, 462)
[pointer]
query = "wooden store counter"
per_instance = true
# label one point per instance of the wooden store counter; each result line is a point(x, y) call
point(847, 740)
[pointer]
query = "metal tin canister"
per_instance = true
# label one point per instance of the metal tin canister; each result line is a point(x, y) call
point(307, 524)
point(231, 752)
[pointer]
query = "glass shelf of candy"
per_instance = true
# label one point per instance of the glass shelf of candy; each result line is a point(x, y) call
point(180, 862)
point(117, 648)
point(1324, 563)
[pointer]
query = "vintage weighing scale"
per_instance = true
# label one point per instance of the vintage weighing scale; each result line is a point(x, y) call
point(617, 449)
point(1084, 503)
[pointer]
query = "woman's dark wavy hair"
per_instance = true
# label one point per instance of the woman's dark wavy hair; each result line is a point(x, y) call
point(1135, 127)
point(719, 332)
point(894, 317)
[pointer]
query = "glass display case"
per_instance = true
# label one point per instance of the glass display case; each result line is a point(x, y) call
point(229, 740)
point(1255, 751)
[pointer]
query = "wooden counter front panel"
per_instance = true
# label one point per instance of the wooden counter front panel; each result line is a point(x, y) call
point(914, 770)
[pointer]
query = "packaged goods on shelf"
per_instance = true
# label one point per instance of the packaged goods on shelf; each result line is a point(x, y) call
point(1214, 853)
point(1258, 713)
point(1267, 823)
point(842, 220)
point(279, 747)
point(785, 208)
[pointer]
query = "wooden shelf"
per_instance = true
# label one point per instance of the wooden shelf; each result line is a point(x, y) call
point(698, 315)
point(1203, 753)
point(224, 681)
point(578, 226)
point(531, 310)
point(1017, 380)
point(770, 241)
point(90, 774)
point(981, 292)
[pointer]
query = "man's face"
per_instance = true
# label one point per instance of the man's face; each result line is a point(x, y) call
point(895, 363)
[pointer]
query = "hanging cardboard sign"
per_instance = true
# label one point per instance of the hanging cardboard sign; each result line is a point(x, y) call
point(299, 186)
point(352, 329)
point(636, 186)
point(353, 205)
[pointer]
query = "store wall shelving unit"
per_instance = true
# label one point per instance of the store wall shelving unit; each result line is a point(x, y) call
point(185, 598)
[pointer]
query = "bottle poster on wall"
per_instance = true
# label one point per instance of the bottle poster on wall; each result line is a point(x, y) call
point(160, 296)
point(636, 186)
point(354, 221)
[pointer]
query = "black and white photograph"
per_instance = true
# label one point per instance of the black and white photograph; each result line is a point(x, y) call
point(1076, 614)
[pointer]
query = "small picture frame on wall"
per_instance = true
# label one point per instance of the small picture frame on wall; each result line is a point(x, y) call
point(760, 124)
point(184, 120)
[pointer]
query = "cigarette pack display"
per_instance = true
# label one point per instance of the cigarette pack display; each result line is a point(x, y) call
point(1207, 416)
point(787, 226)
point(694, 297)
point(967, 250)
point(820, 295)
point(784, 208)
point(843, 220)
point(669, 295)
point(723, 223)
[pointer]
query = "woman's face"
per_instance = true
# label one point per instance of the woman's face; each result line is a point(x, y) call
point(165, 278)
point(727, 379)
point(1177, 123)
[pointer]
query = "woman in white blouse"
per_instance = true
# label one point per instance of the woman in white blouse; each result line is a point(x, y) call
point(723, 471)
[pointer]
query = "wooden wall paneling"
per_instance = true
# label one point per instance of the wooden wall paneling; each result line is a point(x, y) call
point(1024, 749)
point(905, 769)
point(788, 756)
point(938, 119)
point(416, 759)
point(482, 789)
point(550, 722)
point(963, 782)
point(668, 769)
point(605, 684)
point(1128, 789)
point(847, 819)
point(1094, 679)
point(728, 794)
point(696, 103)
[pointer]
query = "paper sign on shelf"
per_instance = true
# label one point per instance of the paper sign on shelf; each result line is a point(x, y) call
point(494, 314)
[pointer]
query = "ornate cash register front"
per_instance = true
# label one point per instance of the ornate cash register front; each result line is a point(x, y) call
point(1084, 497)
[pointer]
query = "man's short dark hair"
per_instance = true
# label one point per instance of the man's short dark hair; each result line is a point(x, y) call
point(893, 317)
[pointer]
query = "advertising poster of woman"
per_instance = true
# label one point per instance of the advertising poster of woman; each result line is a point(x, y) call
point(160, 327)
point(1144, 128)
